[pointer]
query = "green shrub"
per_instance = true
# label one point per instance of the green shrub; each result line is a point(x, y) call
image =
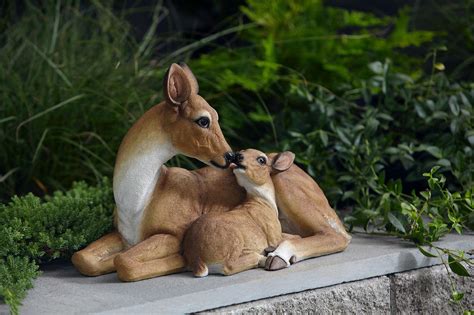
point(34, 231)
point(306, 39)
point(371, 153)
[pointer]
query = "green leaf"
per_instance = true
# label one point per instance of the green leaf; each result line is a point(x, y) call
point(392, 150)
point(458, 227)
point(395, 222)
point(324, 137)
point(376, 67)
point(457, 267)
point(296, 134)
point(439, 66)
point(426, 253)
point(444, 162)
point(398, 186)
point(420, 111)
point(470, 137)
point(434, 151)
point(453, 105)
point(343, 137)
point(426, 194)
point(260, 116)
point(457, 296)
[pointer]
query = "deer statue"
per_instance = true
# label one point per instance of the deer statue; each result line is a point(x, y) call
point(155, 205)
point(234, 241)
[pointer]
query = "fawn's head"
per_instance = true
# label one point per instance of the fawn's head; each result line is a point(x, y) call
point(253, 168)
point(192, 124)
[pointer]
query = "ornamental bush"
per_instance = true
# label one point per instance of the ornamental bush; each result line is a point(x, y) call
point(34, 231)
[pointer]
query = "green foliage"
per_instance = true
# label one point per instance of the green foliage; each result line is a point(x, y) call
point(34, 231)
point(326, 45)
point(375, 153)
point(16, 275)
point(72, 81)
point(397, 154)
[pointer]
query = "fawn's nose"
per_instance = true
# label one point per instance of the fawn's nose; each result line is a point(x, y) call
point(238, 157)
point(229, 157)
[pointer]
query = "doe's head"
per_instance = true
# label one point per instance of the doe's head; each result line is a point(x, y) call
point(192, 124)
point(253, 167)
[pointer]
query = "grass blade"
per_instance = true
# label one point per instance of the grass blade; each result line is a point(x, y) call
point(207, 40)
point(6, 119)
point(157, 18)
point(10, 172)
point(51, 63)
point(68, 101)
point(40, 144)
point(54, 37)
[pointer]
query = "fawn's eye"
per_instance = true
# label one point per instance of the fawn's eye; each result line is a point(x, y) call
point(203, 122)
point(261, 160)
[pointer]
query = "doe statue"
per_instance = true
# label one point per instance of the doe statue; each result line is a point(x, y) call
point(156, 205)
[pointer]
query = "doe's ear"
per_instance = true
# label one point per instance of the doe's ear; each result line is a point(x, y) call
point(282, 161)
point(192, 79)
point(176, 85)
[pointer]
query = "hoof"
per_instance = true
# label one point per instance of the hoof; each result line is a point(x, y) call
point(275, 263)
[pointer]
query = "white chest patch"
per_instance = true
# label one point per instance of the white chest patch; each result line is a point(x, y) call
point(266, 192)
point(134, 184)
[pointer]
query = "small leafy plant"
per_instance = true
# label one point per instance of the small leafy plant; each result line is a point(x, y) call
point(34, 231)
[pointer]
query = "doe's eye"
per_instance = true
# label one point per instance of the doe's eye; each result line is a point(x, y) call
point(261, 160)
point(203, 122)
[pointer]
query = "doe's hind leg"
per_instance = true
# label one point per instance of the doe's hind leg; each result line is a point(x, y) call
point(244, 262)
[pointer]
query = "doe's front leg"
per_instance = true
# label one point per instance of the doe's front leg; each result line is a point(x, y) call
point(294, 250)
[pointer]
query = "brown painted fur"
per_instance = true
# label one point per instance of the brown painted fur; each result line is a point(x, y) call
point(235, 241)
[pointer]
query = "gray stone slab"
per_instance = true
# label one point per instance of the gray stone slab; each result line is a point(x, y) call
point(63, 290)
point(359, 297)
point(421, 291)
point(428, 291)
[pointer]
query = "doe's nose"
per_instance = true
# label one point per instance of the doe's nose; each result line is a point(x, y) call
point(229, 157)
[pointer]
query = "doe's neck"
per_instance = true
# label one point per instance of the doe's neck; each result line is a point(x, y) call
point(143, 151)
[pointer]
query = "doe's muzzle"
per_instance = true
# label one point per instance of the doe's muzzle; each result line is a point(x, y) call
point(229, 157)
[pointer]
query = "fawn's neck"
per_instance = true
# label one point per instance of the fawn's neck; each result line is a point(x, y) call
point(262, 194)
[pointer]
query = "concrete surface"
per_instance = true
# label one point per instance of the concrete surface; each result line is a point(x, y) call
point(61, 289)
point(370, 296)
point(427, 291)
point(421, 291)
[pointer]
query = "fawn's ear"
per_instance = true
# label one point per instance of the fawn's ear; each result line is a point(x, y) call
point(176, 85)
point(191, 78)
point(282, 161)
